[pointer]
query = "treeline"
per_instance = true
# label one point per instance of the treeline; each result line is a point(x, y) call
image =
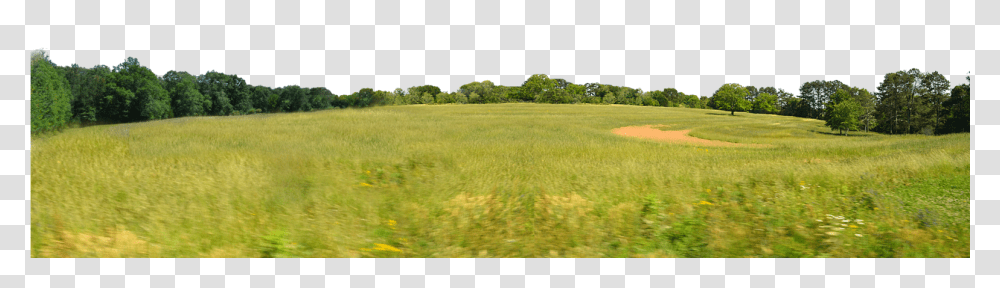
point(906, 102)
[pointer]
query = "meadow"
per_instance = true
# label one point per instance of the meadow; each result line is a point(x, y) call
point(496, 180)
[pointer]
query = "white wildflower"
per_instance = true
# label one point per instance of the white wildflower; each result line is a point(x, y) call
point(859, 235)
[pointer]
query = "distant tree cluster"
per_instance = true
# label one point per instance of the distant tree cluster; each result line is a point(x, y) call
point(906, 101)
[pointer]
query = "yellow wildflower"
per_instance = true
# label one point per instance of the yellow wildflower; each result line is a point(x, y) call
point(852, 226)
point(384, 247)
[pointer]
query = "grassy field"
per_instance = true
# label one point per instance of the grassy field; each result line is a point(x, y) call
point(504, 180)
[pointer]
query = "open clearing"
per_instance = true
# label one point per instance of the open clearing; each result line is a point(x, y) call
point(496, 180)
point(680, 137)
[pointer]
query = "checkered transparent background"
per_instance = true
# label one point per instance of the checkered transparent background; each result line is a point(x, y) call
point(694, 46)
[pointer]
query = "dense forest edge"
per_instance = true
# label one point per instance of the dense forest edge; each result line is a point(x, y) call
point(906, 102)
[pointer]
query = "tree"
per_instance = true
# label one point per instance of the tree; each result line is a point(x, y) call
point(212, 86)
point(837, 97)
point(294, 98)
point(817, 94)
point(87, 88)
point(647, 100)
point(844, 115)
point(185, 99)
point(866, 106)
point(261, 96)
point(398, 96)
point(239, 95)
point(692, 101)
point(752, 93)
point(765, 103)
point(912, 94)
point(673, 97)
point(957, 109)
point(134, 93)
point(731, 97)
point(536, 84)
point(894, 102)
point(427, 98)
point(320, 98)
point(365, 97)
point(419, 90)
point(50, 95)
point(785, 101)
point(935, 88)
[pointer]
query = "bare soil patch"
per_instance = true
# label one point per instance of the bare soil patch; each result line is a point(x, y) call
point(679, 136)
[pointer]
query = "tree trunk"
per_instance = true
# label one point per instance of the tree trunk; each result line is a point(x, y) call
point(733, 112)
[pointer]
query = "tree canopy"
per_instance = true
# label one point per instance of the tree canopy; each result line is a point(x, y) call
point(732, 97)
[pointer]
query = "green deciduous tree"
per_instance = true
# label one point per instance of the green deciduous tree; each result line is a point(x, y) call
point(134, 94)
point(766, 103)
point(866, 106)
point(50, 95)
point(536, 84)
point(212, 86)
point(260, 96)
point(185, 99)
point(957, 110)
point(731, 97)
point(87, 87)
point(674, 98)
point(294, 98)
point(418, 91)
point(843, 112)
point(320, 98)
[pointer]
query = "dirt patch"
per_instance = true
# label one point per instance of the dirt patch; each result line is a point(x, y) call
point(680, 136)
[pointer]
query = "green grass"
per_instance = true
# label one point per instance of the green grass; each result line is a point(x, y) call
point(504, 180)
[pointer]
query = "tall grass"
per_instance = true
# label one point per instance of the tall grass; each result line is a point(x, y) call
point(504, 180)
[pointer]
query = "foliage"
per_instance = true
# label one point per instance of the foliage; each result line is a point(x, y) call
point(842, 112)
point(766, 103)
point(957, 109)
point(213, 86)
point(186, 100)
point(731, 97)
point(50, 95)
